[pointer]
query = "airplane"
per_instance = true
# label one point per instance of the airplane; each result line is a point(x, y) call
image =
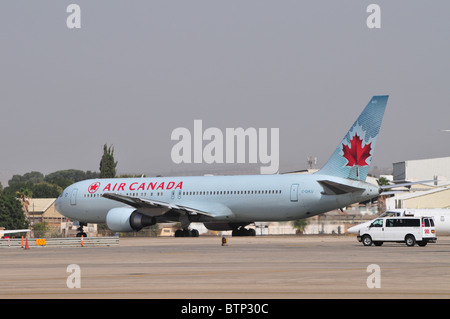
point(5, 231)
point(232, 202)
point(441, 218)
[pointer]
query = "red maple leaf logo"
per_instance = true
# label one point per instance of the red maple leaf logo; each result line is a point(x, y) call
point(356, 155)
point(93, 187)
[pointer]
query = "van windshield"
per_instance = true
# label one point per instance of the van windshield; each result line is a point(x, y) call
point(377, 223)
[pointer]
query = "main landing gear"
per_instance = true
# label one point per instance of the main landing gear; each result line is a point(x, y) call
point(81, 231)
point(242, 231)
point(186, 233)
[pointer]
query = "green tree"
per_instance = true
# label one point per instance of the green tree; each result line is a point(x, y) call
point(300, 225)
point(107, 164)
point(40, 229)
point(382, 181)
point(11, 213)
point(64, 178)
point(46, 190)
point(31, 177)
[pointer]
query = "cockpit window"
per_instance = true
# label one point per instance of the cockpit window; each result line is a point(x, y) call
point(388, 214)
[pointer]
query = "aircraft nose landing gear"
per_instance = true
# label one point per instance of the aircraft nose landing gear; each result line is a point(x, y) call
point(81, 231)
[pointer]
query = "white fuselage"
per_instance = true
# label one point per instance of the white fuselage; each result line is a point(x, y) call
point(249, 198)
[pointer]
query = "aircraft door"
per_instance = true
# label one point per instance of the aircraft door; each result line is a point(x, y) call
point(73, 196)
point(294, 193)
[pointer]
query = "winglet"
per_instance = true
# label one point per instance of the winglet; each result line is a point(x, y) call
point(353, 156)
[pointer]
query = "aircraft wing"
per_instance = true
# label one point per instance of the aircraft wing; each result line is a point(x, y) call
point(155, 208)
point(406, 184)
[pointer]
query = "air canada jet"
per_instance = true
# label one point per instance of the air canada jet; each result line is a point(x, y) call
point(232, 202)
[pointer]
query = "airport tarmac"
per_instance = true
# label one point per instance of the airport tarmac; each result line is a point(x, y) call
point(248, 267)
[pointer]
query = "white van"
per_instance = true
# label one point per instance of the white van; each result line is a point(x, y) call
point(410, 230)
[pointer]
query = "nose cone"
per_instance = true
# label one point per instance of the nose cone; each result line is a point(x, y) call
point(63, 201)
point(58, 203)
point(354, 229)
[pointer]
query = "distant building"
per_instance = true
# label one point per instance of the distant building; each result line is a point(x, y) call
point(43, 210)
point(438, 197)
point(428, 195)
point(426, 169)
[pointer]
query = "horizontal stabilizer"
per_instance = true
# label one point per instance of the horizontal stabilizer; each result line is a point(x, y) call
point(334, 188)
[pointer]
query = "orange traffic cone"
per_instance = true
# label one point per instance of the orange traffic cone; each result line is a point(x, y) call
point(26, 244)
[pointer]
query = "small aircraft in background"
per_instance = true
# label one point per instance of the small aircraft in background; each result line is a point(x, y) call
point(6, 231)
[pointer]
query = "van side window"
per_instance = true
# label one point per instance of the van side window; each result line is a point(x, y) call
point(402, 222)
point(412, 222)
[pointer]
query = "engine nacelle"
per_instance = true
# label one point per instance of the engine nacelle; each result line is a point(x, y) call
point(127, 219)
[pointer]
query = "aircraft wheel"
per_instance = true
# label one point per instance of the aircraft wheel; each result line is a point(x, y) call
point(179, 233)
point(243, 232)
point(186, 233)
point(195, 233)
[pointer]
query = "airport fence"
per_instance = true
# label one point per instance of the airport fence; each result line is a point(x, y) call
point(60, 242)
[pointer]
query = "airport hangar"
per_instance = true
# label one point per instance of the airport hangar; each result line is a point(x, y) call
point(429, 195)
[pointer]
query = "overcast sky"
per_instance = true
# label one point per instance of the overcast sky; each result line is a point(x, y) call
point(136, 70)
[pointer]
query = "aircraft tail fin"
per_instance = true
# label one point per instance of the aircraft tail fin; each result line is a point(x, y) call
point(353, 156)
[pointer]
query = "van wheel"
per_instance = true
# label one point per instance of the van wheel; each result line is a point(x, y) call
point(378, 243)
point(366, 240)
point(422, 243)
point(410, 240)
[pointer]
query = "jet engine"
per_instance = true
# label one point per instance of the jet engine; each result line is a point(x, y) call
point(127, 219)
